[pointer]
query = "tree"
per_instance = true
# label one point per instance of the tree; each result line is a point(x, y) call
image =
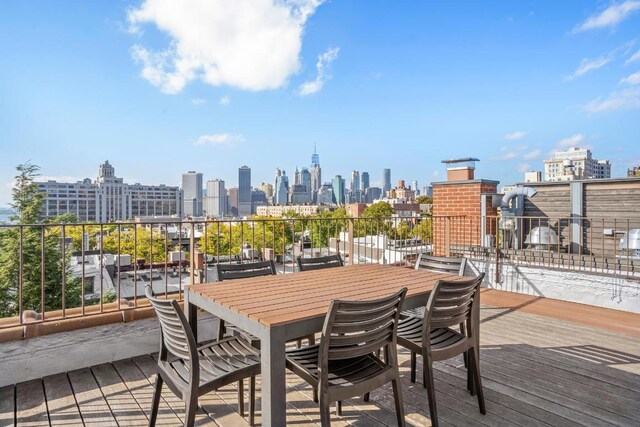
point(31, 255)
point(424, 200)
point(378, 210)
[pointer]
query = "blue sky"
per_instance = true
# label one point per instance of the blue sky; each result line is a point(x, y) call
point(162, 87)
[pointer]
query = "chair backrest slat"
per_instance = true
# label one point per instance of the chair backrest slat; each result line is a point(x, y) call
point(248, 269)
point(451, 303)
point(177, 337)
point(318, 263)
point(357, 328)
point(441, 264)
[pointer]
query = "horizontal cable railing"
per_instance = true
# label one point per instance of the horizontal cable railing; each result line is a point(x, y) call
point(53, 272)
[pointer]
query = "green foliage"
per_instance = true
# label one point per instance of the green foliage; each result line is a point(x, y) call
point(424, 229)
point(424, 200)
point(222, 238)
point(133, 240)
point(32, 255)
point(378, 210)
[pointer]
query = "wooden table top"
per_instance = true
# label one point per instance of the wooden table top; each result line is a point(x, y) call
point(287, 298)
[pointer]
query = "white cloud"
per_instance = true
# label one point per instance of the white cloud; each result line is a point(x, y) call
point(248, 44)
point(324, 61)
point(524, 167)
point(591, 64)
point(219, 139)
point(621, 100)
point(633, 58)
point(224, 100)
point(572, 141)
point(610, 17)
point(514, 136)
point(633, 79)
point(198, 101)
point(532, 154)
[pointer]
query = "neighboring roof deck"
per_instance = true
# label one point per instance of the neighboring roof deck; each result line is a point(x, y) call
point(543, 362)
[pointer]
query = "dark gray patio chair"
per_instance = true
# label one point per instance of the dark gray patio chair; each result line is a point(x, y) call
point(344, 364)
point(191, 370)
point(441, 264)
point(229, 271)
point(450, 304)
point(242, 271)
point(318, 263)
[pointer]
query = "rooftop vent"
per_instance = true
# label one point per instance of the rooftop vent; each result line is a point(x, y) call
point(542, 238)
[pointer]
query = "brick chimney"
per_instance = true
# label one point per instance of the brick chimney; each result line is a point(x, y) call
point(459, 205)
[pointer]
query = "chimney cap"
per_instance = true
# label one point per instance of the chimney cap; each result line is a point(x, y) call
point(462, 160)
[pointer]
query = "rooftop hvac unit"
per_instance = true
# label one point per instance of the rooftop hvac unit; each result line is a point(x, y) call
point(542, 238)
point(630, 243)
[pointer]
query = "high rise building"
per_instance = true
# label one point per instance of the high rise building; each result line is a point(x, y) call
point(305, 179)
point(299, 195)
point(338, 190)
point(244, 191)
point(575, 163)
point(534, 176)
point(258, 198)
point(364, 181)
point(192, 189)
point(316, 174)
point(414, 187)
point(386, 181)
point(325, 195)
point(371, 194)
point(281, 188)
point(355, 181)
point(233, 201)
point(216, 200)
point(268, 191)
point(109, 199)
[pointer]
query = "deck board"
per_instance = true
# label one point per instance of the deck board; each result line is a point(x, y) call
point(536, 371)
point(62, 407)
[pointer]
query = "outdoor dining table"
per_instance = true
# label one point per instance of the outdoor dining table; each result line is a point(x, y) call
point(283, 307)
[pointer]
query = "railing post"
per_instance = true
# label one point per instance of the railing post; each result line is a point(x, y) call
point(351, 245)
point(447, 237)
point(192, 254)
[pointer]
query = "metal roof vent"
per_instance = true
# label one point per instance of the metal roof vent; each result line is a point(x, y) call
point(542, 238)
point(630, 243)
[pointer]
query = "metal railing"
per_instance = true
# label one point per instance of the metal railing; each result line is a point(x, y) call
point(51, 272)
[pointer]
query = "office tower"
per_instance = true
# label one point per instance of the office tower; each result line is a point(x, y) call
point(575, 163)
point(244, 191)
point(299, 195)
point(325, 195)
point(109, 198)
point(281, 188)
point(192, 190)
point(258, 198)
point(216, 200)
point(386, 181)
point(233, 201)
point(414, 187)
point(364, 181)
point(268, 191)
point(316, 174)
point(305, 179)
point(371, 194)
point(338, 190)
point(355, 181)
point(427, 190)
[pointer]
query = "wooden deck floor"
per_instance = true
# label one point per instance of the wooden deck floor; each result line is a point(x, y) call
point(536, 370)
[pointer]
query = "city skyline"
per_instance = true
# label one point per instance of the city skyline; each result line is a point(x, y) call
point(85, 83)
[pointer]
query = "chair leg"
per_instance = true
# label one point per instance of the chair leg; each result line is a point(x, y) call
point(156, 401)
point(241, 397)
point(431, 391)
point(475, 361)
point(414, 356)
point(470, 385)
point(397, 397)
point(299, 343)
point(315, 395)
point(221, 329)
point(312, 339)
point(339, 408)
point(325, 411)
point(191, 405)
point(366, 397)
point(252, 401)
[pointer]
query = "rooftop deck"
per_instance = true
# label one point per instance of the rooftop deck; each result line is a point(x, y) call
point(543, 362)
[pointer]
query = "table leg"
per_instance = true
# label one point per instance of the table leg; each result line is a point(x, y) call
point(272, 356)
point(192, 315)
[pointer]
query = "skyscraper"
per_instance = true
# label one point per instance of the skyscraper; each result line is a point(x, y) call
point(338, 190)
point(355, 181)
point(244, 191)
point(364, 181)
point(316, 175)
point(192, 189)
point(216, 200)
point(386, 181)
point(281, 188)
point(233, 201)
